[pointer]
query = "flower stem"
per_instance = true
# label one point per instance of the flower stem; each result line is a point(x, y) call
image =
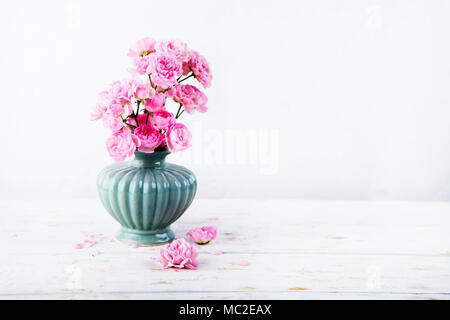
point(191, 75)
point(137, 112)
point(178, 112)
point(151, 82)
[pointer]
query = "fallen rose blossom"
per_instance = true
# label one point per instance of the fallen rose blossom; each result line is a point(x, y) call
point(202, 235)
point(178, 254)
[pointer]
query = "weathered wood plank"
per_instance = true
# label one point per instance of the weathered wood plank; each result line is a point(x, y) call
point(297, 250)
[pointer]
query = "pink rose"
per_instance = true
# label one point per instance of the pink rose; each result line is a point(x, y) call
point(178, 137)
point(202, 235)
point(162, 119)
point(112, 118)
point(117, 98)
point(143, 90)
point(122, 144)
point(200, 67)
point(156, 103)
point(140, 65)
point(164, 70)
point(142, 119)
point(121, 91)
point(112, 123)
point(150, 137)
point(173, 48)
point(190, 97)
point(117, 92)
point(142, 47)
point(178, 254)
point(115, 110)
point(98, 111)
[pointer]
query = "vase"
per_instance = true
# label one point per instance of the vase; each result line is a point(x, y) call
point(146, 195)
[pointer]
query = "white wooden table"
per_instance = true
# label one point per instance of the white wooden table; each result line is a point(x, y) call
point(296, 250)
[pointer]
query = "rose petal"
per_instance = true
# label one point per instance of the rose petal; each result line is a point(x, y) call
point(244, 263)
point(79, 246)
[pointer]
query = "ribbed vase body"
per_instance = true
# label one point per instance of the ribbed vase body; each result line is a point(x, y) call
point(146, 195)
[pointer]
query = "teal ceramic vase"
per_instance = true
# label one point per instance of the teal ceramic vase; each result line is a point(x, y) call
point(146, 195)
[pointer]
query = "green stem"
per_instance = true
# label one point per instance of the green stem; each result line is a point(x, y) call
point(191, 75)
point(178, 112)
point(151, 82)
point(137, 112)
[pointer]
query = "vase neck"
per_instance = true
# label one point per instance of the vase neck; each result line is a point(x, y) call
point(153, 160)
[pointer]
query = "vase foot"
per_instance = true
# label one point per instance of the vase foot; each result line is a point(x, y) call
point(140, 237)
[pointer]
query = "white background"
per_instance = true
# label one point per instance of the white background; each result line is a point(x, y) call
point(335, 99)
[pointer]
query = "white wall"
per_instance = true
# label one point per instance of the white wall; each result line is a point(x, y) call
point(342, 99)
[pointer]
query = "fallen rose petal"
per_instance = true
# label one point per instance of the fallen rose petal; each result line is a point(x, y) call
point(244, 263)
point(79, 246)
point(90, 243)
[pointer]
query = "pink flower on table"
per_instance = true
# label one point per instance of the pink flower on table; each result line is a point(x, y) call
point(199, 67)
point(178, 137)
point(178, 254)
point(164, 70)
point(142, 48)
point(122, 144)
point(174, 48)
point(156, 103)
point(150, 137)
point(202, 235)
point(162, 119)
point(190, 97)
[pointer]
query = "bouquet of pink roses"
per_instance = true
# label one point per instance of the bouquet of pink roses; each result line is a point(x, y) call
point(134, 109)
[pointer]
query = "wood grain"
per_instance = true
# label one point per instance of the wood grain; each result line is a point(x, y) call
point(296, 250)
